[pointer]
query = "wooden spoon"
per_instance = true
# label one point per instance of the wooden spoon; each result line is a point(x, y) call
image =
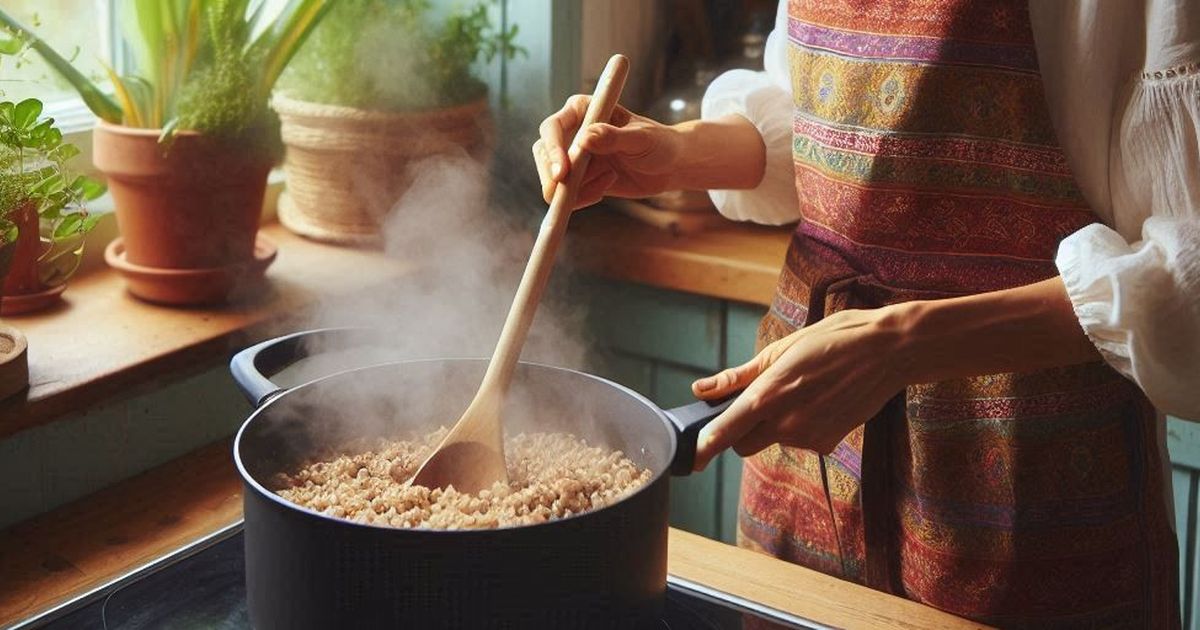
point(471, 456)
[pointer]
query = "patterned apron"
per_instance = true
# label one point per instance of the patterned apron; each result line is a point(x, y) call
point(927, 167)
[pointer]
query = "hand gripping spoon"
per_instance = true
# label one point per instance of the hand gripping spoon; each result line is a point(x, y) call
point(471, 456)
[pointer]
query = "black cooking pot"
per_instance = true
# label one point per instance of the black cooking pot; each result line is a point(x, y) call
point(606, 568)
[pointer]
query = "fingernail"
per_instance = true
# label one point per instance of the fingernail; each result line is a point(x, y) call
point(706, 383)
point(555, 169)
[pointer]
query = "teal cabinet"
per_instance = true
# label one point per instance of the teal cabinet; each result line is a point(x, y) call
point(657, 342)
point(51, 464)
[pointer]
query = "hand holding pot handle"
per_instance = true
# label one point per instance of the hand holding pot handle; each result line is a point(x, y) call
point(689, 420)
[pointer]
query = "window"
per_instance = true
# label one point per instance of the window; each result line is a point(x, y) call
point(79, 30)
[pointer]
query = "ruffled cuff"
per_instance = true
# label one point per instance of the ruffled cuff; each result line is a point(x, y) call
point(1093, 292)
point(767, 106)
point(1140, 305)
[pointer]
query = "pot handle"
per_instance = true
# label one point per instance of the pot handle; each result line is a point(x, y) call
point(688, 421)
point(251, 366)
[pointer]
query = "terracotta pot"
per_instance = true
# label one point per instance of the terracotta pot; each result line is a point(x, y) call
point(345, 167)
point(25, 291)
point(195, 206)
point(22, 276)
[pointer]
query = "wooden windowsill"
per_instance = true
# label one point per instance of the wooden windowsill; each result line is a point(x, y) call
point(46, 560)
point(101, 342)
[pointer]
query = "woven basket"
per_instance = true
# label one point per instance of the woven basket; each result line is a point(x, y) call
point(347, 167)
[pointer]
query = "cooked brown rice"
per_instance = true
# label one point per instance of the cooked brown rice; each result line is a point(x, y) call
point(551, 475)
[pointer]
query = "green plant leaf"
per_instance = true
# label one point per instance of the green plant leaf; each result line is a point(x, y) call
point(49, 138)
point(51, 207)
point(69, 225)
point(63, 152)
point(135, 109)
point(87, 188)
point(90, 222)
point(10, 46)
point(49, 186)
point(26, 113)
point(167, 137)
point(39, 131)
point(6, 112)
point(278, 43)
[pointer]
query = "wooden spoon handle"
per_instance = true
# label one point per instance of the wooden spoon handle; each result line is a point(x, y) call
point(550, 236)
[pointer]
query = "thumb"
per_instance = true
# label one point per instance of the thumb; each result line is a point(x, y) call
point(729, 380)
point(606, 139)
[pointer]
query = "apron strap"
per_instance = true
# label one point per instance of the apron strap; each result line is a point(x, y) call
point(882, 570)
point(828, 273)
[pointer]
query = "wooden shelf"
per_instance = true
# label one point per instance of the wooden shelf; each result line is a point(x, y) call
point(103, 342)
point(736, 261)
point(83, 545)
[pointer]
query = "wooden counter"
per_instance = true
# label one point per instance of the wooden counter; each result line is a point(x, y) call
point(86, 544)
point(735, 261)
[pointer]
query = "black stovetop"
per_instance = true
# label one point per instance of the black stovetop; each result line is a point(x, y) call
point(204, 586)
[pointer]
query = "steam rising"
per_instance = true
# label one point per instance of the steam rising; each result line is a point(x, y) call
point(468, 255)
point(467, 251)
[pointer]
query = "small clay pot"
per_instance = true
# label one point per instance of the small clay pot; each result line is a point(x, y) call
point(24, 292)
point(22, 276)
point(346, 167)
point(193, 205)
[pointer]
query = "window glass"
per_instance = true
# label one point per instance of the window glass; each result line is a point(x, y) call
point(75, 28)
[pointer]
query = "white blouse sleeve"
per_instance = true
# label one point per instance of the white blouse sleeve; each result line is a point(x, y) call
point(765, 99)
point(1135, 283)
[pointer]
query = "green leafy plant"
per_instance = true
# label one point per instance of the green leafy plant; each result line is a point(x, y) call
point(203, 65)
point(396, 55)
point(33, 169)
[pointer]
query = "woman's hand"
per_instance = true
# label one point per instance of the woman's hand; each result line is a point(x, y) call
point(632, 156)
point(808, 389)
point(814, 386)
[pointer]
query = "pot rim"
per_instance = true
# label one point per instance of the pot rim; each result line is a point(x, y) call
point(250, 481)
point(287, 106)
point(142, 132)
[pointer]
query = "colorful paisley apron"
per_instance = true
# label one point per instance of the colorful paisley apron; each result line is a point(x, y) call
point(927, 167)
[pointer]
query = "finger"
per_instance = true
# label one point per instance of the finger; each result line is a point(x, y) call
point(605, 139)
point(543, 169)
point(594, 190)
point(759, 438)
point(742, 416)
point(620, 116)
point(597, 168)
point(727, 381)
point(557, 129)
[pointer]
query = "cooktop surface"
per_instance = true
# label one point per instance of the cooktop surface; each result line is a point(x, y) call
point(205, 587)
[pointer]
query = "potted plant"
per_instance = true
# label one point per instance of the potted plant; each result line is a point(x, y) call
point(186, 141)
point(42, 219)
point(379, 83)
